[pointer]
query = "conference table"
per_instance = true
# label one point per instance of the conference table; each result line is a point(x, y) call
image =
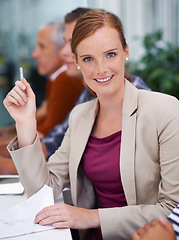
point(10, 200)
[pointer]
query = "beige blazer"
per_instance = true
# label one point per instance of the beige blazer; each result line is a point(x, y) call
point(149, 161)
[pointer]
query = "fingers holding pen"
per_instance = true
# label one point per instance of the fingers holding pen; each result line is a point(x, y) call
point(17, 95)
point(20, 89)
point(21, 85)
point(28, 90)
point(21, 105)
point(21, 100)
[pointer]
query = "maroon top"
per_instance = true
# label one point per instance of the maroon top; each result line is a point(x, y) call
point(101, 166)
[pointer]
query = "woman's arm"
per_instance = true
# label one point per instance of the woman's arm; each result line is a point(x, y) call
point(34, 171)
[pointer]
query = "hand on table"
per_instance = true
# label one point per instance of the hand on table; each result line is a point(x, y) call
point(67, 216)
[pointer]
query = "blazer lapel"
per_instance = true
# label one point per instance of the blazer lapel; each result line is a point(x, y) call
point(127, 154)
point(84, 126)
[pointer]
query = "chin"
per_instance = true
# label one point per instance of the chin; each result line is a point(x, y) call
point(42, 73)
point(73, 73)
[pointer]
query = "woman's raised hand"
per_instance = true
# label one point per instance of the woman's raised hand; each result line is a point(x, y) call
point(20, 101)
point(21, 105)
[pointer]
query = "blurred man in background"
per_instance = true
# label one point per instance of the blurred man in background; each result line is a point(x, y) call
point(71, 71)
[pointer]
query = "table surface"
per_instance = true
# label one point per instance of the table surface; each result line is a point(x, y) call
point(7, 201)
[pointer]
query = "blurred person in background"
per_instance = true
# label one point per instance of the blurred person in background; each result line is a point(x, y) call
point(62, 90)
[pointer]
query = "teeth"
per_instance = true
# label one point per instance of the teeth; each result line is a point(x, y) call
point(104, 80)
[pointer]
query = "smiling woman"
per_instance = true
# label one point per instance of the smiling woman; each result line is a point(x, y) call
point(102, 64)
point(118, 151)
point(104, 61)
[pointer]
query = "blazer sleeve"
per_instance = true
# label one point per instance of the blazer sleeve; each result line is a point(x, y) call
point(33, 170)
point(121, 222)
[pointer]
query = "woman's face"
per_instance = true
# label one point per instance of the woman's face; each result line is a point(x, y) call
point(101, 58)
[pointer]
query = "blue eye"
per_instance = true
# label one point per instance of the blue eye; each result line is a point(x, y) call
point(111, 54)
point(88, 59)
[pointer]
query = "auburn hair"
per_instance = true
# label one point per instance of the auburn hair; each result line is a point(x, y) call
point(94, 19)
point(91, 21)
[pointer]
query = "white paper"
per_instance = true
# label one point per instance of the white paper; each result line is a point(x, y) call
point(19, 220)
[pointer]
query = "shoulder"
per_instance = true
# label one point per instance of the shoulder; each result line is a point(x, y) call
point(150, 104)
point(158, 107)
point(157, 99)
point(147, 102)
point(84, 110)
point(148, 97)
point(84, 107)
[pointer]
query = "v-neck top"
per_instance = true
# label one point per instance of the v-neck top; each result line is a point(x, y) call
point(101, 165)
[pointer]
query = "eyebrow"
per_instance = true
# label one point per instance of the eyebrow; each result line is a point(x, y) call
point(67, 39)
point(110, 50)
point(88, 55)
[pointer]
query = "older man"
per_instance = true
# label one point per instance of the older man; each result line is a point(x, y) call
point(63, 87)
point(62, 90)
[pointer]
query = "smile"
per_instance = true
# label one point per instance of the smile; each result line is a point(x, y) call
point(102, 80)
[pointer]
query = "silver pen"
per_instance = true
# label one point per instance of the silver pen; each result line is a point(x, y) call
point(21, 73)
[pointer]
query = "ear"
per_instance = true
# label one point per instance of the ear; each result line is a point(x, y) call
point(126, 51)
point(75, 60)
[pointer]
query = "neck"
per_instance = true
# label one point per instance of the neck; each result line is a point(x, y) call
point(111, 105)
point(57, 72)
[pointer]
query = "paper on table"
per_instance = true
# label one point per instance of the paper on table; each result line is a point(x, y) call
point(19, 220)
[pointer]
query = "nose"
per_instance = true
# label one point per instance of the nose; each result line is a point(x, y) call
point(100, 67)
point(66, 50)
point(35, 53)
